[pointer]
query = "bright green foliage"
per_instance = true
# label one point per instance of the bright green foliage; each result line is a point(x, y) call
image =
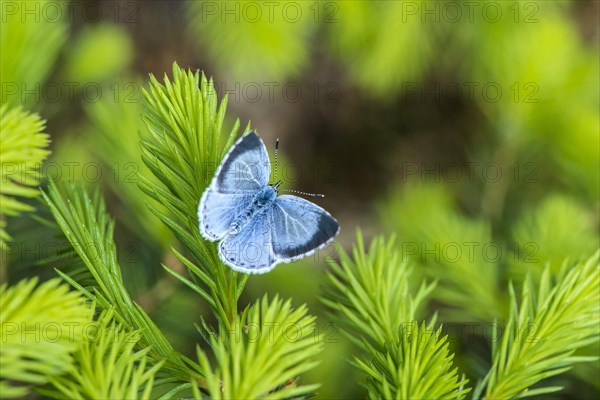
point(403, 369)
point(22, 149)
point(25, 64)
point(41, 327)
point(539, 52)
point(88, 61)
point(184, 146)
point(542, 55)
point(256, 39)
point(86, 224)
point(263, 353)
point(369, 293)
point(369, 296)
point(553, 320)
point(361, 38)
point(456, 250)
point(577, 153)
point(557, 229)
point(114, 135)
point(106, 366)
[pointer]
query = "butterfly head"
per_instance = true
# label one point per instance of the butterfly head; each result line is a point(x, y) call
point(276, 185)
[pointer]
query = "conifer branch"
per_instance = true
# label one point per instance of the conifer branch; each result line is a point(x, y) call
point(559, 316)
point(41, 327)
point(23, 147)
point(370, 297)
point(183, 149)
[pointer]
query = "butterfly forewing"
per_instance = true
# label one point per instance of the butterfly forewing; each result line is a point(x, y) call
point(245, 168)
point(243, 173)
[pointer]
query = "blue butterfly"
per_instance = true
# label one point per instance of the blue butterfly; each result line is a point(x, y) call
point(258, 229)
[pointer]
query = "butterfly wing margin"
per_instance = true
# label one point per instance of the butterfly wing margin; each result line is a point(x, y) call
point(245, 168)
point(250, 251)
point(300, 227)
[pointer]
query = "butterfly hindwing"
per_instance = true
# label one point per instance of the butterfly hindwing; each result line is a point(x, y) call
point(299, 227)
point(218, 210)
point(250, 249)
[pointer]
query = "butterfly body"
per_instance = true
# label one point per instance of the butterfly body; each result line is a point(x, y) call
point(260, 204)
point(256, 228)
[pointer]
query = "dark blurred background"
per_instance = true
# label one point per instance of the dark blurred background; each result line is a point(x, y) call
point(399, 111)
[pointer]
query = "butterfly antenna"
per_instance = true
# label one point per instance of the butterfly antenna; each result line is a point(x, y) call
point(276, 152)
point(289, 190)
point(303, 193)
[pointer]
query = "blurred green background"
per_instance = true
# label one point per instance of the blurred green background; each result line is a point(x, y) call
point(444, 123)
